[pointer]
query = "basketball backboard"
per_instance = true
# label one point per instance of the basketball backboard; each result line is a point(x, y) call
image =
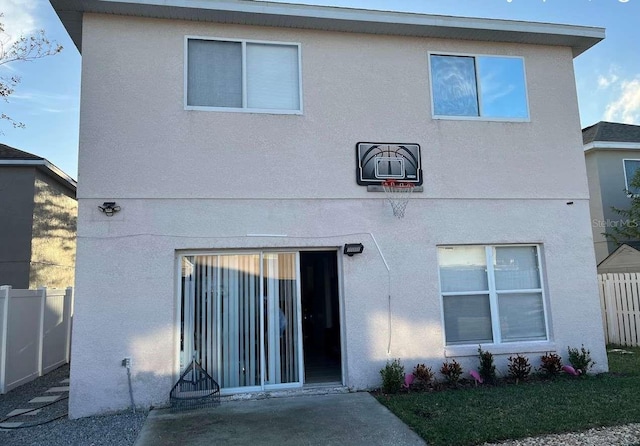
point(379, 162)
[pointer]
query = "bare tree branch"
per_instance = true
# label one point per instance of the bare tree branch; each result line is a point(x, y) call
point(23, 49)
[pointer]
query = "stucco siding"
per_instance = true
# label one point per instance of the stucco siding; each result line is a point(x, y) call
point(138, 307)
point(610, 171)
point(16, 200)
point(598, 222)
point(355, 88)
point(53, 243)
point(197, 180)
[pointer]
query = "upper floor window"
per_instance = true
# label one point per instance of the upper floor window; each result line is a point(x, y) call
point(489, 87)
point(630, 169)
point(491, 294)
point(243, 76)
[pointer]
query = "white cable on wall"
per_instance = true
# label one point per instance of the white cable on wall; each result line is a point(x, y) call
point(384, 260)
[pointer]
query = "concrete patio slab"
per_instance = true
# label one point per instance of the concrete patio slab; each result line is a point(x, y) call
point(335, 419)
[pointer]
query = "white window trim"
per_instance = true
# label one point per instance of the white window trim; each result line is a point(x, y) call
point(624, 171)
point(500, 349)
point(497, 346)
point(244, 108)
point(478, 89)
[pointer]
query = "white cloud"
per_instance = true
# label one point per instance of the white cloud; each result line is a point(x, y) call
point(604, 81)
point(626, 108)
point(19, 16)
point(607, 80)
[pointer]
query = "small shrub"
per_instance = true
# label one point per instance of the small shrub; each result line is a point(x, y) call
point(580, 359)
point(392, 376)
point(487, 368)
point(551, 364)
point(519, 367)
point(424, 375)
point(451, 371)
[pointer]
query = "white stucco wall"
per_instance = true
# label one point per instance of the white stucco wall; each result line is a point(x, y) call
point(191, 180)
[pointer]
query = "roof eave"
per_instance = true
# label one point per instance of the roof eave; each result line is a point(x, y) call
point(46, 167)
point(611, 145)
point(578, 38)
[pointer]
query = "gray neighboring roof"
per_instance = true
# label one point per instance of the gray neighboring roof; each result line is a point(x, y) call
point(10, 153)
point(10, 156)
point(330, 18)
point(612, 132)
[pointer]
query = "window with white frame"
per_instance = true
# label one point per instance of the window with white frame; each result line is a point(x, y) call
point(630, 169)
point(243, 76)
point(490, 87)
point(492, 294)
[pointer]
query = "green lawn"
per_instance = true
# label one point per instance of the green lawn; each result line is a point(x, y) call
point(476, 415)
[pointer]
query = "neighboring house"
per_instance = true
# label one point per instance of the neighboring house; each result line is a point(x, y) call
point(225, 133)
point(37, 222)
point(612, 154)
point(625, 259)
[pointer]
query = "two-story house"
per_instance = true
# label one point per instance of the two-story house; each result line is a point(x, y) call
point(243, 144)
point(37, 222)
point(611, 151)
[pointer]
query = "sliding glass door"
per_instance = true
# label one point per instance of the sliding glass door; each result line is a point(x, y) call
point(240, 318)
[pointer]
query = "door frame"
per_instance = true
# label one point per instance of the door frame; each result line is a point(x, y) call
point(178, 369)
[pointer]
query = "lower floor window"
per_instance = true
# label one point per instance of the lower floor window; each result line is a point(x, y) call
point(492, 294)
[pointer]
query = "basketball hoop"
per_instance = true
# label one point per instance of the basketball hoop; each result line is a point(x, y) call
point(398, 194)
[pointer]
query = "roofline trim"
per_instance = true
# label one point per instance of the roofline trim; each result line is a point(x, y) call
point(43, 163)
point(611, 145)
point(579, 38)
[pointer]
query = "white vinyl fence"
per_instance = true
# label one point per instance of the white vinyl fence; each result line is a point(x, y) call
point(35, 333)
point(620, 301)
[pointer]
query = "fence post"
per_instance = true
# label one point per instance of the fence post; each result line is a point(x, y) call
point(43, 301)
point(5, 292)
point(68, 310)
point(603, 307)
point(612, 320)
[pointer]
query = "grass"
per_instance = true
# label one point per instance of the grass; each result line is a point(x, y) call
point(507, 411)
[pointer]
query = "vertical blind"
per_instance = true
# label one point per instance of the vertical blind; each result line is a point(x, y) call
point(240, 321)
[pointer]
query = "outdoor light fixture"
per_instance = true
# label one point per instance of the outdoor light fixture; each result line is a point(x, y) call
point(109, 208)
point(353, 248)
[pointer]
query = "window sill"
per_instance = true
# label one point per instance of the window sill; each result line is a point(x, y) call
point(244, 110)
point(479, 118)
point(509, 348)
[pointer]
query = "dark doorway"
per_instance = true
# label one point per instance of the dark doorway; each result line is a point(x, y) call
point(320, 317)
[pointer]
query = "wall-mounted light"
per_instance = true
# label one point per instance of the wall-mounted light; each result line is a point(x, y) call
point(353, 248)
point(109, 208)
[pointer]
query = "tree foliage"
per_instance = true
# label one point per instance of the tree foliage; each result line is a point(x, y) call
point(25, 48)
point(628, 228)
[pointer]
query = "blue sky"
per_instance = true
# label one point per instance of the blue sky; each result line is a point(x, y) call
point(47, 100)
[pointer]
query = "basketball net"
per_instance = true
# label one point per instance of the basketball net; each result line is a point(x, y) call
point(398, 195)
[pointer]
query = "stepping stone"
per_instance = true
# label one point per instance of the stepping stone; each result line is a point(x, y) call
point(58, 389)
point(10, 424)
point(15, 412)
point(65, 381)
point(45, 399)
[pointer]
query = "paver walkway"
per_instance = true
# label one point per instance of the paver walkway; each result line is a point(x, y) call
point(33, 411)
